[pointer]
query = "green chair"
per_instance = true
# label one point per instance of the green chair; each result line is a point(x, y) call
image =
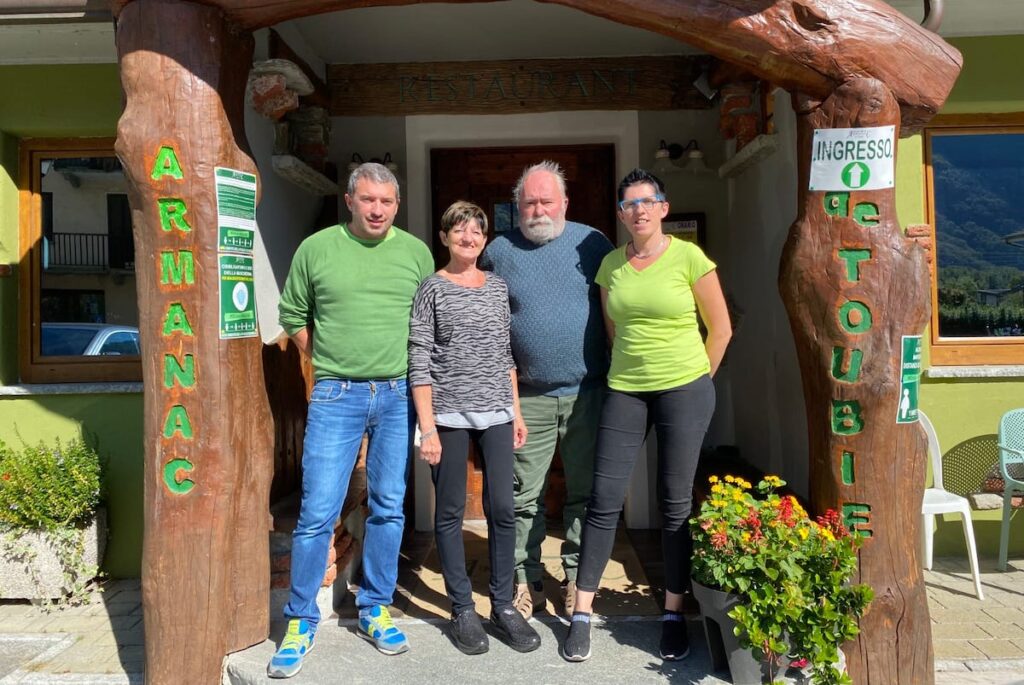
point(1011, 466)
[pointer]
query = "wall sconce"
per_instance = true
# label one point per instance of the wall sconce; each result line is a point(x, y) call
point(667, 153)
point(357, 159)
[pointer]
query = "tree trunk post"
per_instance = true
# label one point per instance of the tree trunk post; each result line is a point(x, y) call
point(208, 431)
point(853, 286)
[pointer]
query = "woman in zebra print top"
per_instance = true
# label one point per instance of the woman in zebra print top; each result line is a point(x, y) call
point(463, 383)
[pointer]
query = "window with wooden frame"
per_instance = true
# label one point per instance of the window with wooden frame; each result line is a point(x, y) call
point(78, 312)
point(974, 174)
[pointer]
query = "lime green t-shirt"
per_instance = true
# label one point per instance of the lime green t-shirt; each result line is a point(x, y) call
point(357, 295)
point(657, 343)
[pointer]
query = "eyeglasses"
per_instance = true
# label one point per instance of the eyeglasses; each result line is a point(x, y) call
point(647, 203)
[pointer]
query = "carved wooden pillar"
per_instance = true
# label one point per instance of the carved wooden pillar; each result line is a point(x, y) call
point(853, 286)
point(207, 424)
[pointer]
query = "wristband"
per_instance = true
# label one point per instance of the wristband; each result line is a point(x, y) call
point(424, 436)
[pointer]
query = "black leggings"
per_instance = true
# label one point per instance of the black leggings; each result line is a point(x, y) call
point(449, 475)
point(680, 417)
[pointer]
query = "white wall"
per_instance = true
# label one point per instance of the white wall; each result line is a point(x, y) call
point(770, 422)
point(286, 213)
point(285, 216)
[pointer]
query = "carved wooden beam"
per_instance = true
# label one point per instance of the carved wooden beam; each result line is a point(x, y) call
point(207, 426)
point(854, 286)
point(811, 46)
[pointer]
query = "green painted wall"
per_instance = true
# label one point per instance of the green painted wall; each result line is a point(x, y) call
point(115, 422)
point(966, 411)
point(66, 101)
point(990, 81)
point(47, 101)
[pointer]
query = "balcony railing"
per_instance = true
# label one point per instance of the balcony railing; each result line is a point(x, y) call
point(86, 252)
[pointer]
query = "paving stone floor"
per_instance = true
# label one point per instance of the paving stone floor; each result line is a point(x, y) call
point(101, 642)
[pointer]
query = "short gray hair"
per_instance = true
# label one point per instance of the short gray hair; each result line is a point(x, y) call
point(547, 165)
point(378, 173)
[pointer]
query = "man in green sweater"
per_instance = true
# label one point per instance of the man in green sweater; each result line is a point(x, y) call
point(346, 303)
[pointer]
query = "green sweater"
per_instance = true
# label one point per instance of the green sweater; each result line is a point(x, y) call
point(357, 295)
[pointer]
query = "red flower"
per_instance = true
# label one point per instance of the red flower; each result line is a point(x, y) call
point(834, 523)
point(786, 512)
point(6, 476)
point(719, 539)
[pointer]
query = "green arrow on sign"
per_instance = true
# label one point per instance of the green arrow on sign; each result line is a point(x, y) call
point(855, 175)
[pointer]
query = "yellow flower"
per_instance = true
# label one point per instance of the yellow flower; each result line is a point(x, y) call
point(718, 503)
point(730, 479)
point(803, 533)
point(744, 484)
point(713, 479)
point(745, 537)
point(737, 495)
point(797, 509)
point(718, 488)
point(773, 481)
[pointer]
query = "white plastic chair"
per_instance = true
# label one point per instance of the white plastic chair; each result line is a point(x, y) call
point(937, 500)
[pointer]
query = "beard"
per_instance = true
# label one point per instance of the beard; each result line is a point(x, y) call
point(543, 229)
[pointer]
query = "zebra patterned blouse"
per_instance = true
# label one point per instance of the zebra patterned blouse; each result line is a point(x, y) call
point(459, 344)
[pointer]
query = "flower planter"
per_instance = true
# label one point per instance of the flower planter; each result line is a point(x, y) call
point(722, 641)
point(33, 565)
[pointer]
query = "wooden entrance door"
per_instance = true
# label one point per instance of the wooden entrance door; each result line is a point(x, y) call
point(486, 176)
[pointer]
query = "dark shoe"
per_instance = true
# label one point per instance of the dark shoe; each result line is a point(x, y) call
point(468, 633)
point(514, 631)
point(675, 644)
point(577, 644)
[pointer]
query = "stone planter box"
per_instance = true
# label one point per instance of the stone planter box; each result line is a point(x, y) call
point(45, 561)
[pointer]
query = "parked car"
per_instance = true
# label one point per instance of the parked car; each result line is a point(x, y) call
point(88, 339)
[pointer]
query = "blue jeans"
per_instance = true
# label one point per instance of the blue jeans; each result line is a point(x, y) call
point(340, 412)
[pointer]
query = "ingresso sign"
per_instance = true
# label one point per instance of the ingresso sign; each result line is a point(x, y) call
point(853, 158)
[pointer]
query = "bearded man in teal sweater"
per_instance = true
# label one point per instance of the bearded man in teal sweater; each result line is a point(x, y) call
point(561, 353)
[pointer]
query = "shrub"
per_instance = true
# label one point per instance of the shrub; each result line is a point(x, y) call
point(49, 487)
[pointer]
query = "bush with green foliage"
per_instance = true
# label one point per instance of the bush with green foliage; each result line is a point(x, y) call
point(49, 487)
point(53, 491)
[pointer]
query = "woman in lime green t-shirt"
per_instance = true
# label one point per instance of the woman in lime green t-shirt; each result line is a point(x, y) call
point(652, 289)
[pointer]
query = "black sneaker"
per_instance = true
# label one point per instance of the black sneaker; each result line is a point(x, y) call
point(675, 644)
point(467, 632)
point(514, 631)
point(577, 644)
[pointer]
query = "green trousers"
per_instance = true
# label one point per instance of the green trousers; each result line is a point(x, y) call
point(569, 422)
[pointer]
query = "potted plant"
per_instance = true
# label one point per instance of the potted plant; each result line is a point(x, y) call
point(52, 531)
point(788, 576)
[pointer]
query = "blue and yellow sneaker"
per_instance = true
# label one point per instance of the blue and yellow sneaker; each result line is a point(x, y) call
point(297, 642)
point(375, 625)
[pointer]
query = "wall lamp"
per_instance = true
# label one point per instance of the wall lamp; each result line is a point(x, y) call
point(357, 159)
point(667, 153)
